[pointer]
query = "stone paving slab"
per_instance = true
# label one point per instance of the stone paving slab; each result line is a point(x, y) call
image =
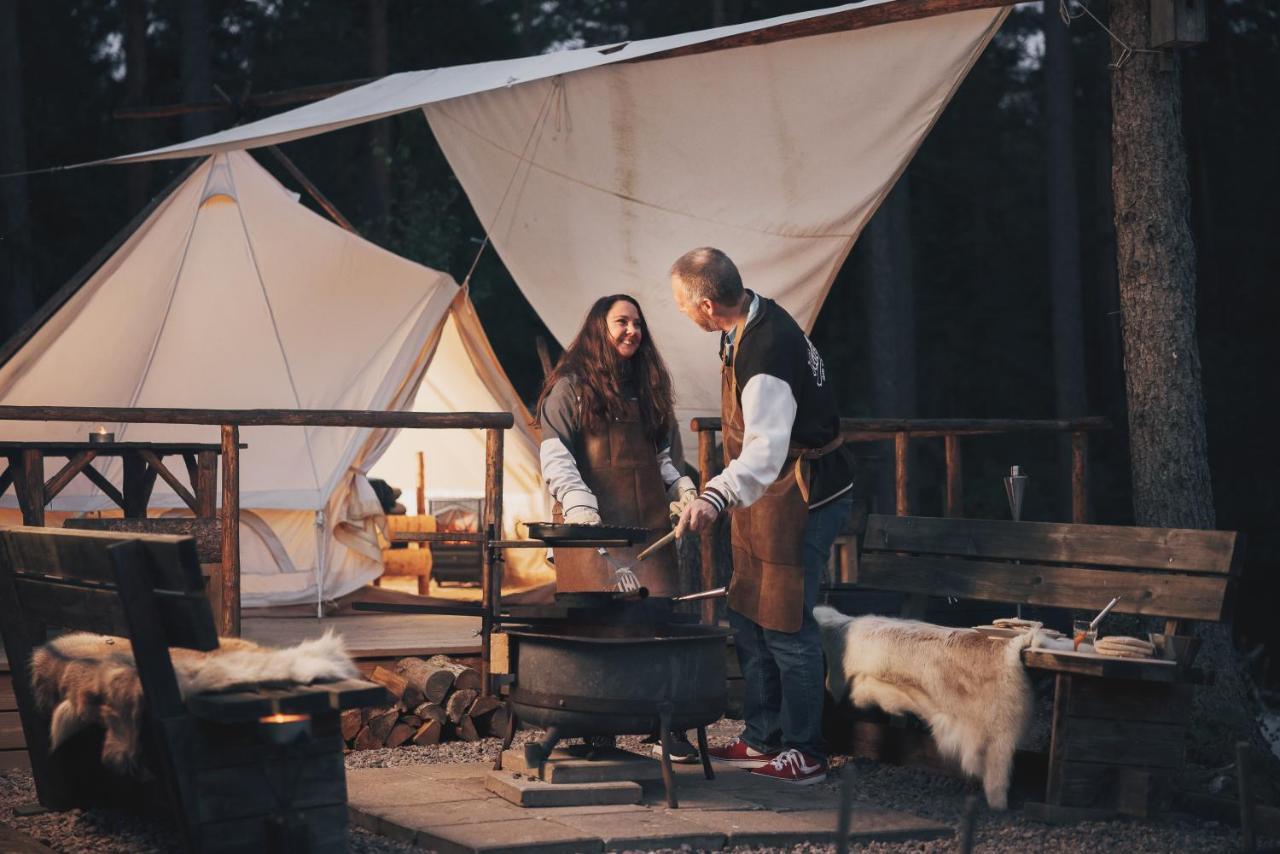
point(651, 829)
point(568, 766)
point(530, 792)
point(445, 808)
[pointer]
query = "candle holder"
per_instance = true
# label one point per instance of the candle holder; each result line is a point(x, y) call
point(284, 729)
point(101, 437)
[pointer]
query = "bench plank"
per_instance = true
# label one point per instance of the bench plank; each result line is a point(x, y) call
point(185, 617)
point(1201, 597)
point(1150, 745)
point(81, 555)
point(1164, 549)
point(1118, 668)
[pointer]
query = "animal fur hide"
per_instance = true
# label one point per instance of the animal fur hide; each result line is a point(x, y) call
point(88, 680)
point(971, 691)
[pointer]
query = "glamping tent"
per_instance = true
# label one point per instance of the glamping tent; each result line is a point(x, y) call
point(775, 140)
point(230, 294)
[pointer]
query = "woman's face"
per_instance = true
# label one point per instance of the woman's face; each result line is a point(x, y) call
point(625, 328)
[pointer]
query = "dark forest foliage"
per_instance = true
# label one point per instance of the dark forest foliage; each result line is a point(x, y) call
point(977, 189)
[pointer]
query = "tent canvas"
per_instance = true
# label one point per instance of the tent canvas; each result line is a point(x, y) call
point(593, 169)
point(230, 294)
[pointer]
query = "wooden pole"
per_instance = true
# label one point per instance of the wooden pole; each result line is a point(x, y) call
point(491, 569)
point(955, 482)
point(29, 485)
point(707, 542)
point(544, 356)
point(902, 473)
point(421, 494)
point(1248, 840)
point(968, 819)
point(311, 188)
point(229, 623)
point(1079, 477)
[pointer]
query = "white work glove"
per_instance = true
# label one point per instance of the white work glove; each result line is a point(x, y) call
point(582, 515)
point(683, 492)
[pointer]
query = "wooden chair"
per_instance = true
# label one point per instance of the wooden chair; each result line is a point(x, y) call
point(1119, 725)
point(226, 784)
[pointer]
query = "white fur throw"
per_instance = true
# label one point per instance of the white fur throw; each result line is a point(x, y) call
point(86, 680)
point(970, 690)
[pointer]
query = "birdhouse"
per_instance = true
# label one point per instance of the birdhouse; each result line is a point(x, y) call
point(1178, 23)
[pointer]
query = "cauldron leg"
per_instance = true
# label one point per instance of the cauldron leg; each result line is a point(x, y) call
point(706, 757)
point(507, 737)
point(668, 777)
point(536, 754)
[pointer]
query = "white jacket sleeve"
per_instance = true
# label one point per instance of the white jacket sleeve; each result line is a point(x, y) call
point(768, 414)
point(564, 481)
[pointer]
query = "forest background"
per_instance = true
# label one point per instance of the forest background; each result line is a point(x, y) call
point(986, 287)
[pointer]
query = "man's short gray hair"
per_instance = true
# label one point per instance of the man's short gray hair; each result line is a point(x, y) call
point(708, 273)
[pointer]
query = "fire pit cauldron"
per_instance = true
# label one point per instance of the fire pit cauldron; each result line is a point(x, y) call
point(578, 679)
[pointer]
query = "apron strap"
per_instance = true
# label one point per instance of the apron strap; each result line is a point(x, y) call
point(802, 458)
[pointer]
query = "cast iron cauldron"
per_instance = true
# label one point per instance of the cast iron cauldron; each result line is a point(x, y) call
point(618, 679)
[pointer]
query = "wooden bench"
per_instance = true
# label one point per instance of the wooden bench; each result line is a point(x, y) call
point(1119, 726)
point(213, 762)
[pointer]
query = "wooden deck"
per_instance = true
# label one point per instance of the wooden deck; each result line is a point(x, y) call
point(372, 635)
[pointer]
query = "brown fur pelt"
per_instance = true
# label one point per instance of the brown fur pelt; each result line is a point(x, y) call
point(85, 680)
point(972, 691)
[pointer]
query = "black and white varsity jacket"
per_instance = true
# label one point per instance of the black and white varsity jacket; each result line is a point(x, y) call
point(785, 399)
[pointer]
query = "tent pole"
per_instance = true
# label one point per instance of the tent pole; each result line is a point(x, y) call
point(319, 526)
point(311, 188)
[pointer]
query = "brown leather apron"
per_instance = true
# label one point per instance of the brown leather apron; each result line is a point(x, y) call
point(620, 466)
point(767, 585)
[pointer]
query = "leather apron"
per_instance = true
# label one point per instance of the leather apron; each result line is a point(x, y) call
point(620, 467)
point(767, 585)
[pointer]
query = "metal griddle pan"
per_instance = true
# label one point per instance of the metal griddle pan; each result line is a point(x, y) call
point(565, 535)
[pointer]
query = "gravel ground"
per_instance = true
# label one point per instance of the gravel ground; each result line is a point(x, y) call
point(911, 790)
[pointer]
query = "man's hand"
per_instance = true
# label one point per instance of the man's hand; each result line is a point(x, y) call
point(697, 517)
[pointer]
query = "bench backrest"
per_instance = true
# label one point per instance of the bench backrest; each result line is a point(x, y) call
point(81, 580)
point(1173, 573)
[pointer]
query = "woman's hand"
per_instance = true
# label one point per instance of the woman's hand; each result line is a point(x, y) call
point(696, 517)
point(582, 516)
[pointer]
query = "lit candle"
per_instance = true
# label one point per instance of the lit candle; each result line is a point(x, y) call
point(101, 436)
point(284, 729)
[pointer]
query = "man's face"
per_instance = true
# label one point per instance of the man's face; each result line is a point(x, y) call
point(700, 313)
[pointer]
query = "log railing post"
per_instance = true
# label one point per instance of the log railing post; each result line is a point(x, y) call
point(902, 473)
point(229, 619)
point(491, 565)
point(1079, 477)
point(707, 542)
point(955, 478)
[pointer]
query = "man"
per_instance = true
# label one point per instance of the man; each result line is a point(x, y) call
point(787, 485)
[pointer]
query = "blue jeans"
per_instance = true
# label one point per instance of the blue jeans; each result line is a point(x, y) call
point(783, 671)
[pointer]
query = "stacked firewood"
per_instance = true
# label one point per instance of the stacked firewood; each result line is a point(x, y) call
point(435, 699)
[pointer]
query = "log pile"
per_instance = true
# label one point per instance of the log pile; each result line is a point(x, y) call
point(436, 699)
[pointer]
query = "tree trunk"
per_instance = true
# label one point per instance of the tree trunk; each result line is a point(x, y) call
point(379, 131)
point(1156, 263)
point(891, 326)
point(135, 55)
point(17, 292)
point(1064, 236)
point(196, 74)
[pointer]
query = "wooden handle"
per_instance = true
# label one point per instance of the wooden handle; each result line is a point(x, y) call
point(666, 538)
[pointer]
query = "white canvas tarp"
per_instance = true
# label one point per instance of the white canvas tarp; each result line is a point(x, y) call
point(594, 169)
point(233, 295)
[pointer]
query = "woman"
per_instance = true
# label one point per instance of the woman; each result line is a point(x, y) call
point(607, 432)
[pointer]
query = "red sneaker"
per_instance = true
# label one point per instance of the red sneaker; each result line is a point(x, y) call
point(738, 753)
point(792, 766)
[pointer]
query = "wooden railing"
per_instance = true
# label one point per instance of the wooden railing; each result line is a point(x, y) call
point(231, 420)
point(901, 431)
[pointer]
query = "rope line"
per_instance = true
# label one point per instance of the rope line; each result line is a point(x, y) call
point(539, 123)
point(1126, 50)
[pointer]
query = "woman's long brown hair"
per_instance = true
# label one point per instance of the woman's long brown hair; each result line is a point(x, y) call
point(595, 367)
